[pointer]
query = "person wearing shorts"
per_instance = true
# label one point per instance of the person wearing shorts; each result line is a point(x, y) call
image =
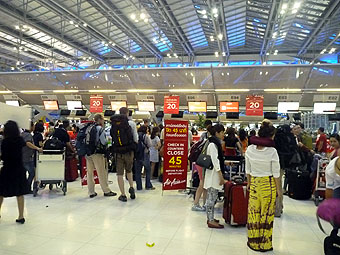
point(200, 190)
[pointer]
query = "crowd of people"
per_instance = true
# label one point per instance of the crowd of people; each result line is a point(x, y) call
point(268, 154)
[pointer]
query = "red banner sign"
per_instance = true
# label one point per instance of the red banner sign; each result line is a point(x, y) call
point(175, 155)
point(254, 106)
point(171, 104)
point(96, 104)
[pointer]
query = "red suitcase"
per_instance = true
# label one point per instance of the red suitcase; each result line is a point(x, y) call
point(236, 196)
point(71, 169)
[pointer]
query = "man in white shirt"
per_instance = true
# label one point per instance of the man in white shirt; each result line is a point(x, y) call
point(333, 178)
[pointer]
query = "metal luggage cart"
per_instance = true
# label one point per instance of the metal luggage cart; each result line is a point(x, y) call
point(235, 167)
point(50, 170)
point(320, 182)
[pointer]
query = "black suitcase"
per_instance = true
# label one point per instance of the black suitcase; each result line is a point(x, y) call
point(332, 243)
point(299, 184)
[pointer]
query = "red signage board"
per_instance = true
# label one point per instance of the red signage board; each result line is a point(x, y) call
point(96, 104)
point(254, 106)
point(171, 104)
point(175, 155)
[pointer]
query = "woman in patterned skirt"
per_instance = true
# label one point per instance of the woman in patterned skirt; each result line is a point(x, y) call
point(263, 173)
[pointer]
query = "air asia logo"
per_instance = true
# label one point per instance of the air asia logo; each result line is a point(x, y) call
point(173, 182)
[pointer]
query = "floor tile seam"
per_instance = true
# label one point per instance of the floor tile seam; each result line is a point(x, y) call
point(206, 249)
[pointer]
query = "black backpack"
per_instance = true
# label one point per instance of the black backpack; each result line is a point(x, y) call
point(285, 144)
point(139, 155)
point(121, 133)
point(53, 144)
point(81, 140)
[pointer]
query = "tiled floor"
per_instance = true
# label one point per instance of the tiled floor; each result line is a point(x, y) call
point(75, 224)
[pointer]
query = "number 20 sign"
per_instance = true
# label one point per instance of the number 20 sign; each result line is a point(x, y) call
point(96, 104)
point(254, 106)
point(171, 104)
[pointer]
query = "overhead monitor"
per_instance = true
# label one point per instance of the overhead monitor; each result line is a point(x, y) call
point(324, 108)
point(297, 116)
point(177, 116)
point(74, 105)
point(270, 115)
point(160, 114)
point(13, 102)
point(51, 105)
point(211, 115)
point(197, 106)
point(229, 106)
point(233, 115)
point(334, 117)
point(65, 112)
point(288, 107)
point(109, 113)
point(81, 113)
point(116, 105)
point(146, 106)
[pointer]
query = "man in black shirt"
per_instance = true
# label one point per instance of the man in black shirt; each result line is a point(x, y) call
point(62, 135)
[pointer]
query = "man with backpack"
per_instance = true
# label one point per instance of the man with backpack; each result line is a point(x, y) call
point(124, 143)
point(61, 134)
point(96, 144)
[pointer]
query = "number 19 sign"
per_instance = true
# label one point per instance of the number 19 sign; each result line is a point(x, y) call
point(254, 106)
point(175, 155)
point(96, 104)
point(171, 104)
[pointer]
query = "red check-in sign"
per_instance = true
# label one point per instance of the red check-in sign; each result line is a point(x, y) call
point(171, 104)
point(96, 104)
point(254, 106)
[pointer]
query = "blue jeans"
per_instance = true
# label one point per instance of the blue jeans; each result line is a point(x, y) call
point(138, 167)
point(336, 193)
point(29, 166)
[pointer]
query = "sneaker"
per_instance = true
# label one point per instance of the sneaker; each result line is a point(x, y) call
point(132, 193)
point(197, 208)
point(122, 198)
point(204, 207)
point(110, 194)
point(93, 195)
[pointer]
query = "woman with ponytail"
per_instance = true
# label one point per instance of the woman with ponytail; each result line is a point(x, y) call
point(214, 180)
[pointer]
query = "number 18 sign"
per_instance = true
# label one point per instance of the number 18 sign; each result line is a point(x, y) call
point(171, 104)
point(254, 106)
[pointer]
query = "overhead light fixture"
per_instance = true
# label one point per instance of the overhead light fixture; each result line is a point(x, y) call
point(284, 6)
point(232, 90)
point(17, 27)
point(274, 34)
point(223, 54)
point(205, 16)
point(76, 25)
point(216, 53)
point(282, 90)
point(214, 10)
point(71, 22)
point(184, 90)
point(5, 92)
point(329, 90)
point(220, 36)
point(133, 16)
point(66, 91)
point(294, 11)
point(85, 25)
point(204, 12)
point(146, 20)
point(141, 90)
point(32, 91)
point(142, 15)
point(216, 15)
point(102, 90)
point(267, 53)
point(296, 5)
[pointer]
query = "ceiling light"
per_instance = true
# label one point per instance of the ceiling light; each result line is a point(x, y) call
point(205, 16)
point(296, 5)
point(274, 34)
point(232, 90)
point(294, 11)
point(85, 25)
point(133, 16)
point(282, 90)
point(141, 90)
point(22, 63)
point(267, 53)
point(216, 15)
point(142, 15)
point(329, 90)
point(17, 27)
point(275, 53)
point(76, 25)
point(106, 44)
point(14, 48)
point(184, 90)
point(204, 12)
point(282, 12)
point(284, 6)
point(216, 54)
point(71, 22)
point(32, 91)
point(214, 10)
point(66, 91)
point(5, 91)
point(146, 20)
point(260, 73)
point(102, 90)
point(136, 20)
point(220, 36)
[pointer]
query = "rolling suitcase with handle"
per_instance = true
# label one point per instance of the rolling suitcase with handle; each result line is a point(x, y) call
point(236, 196)
point(71, 169)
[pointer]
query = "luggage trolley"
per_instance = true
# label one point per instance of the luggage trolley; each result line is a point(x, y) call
point(320, 181)
point(50, 170)
point(235, 167)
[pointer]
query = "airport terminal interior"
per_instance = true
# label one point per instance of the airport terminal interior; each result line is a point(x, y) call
point(130, 112)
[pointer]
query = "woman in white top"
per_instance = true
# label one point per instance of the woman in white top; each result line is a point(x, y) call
point(263, 174)
point(213, 180)
point(154, 149)
point(333, 178)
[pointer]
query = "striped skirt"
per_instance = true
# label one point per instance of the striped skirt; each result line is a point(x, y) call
point(261, 210)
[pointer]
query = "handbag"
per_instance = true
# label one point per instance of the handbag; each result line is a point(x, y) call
point(203, 159)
